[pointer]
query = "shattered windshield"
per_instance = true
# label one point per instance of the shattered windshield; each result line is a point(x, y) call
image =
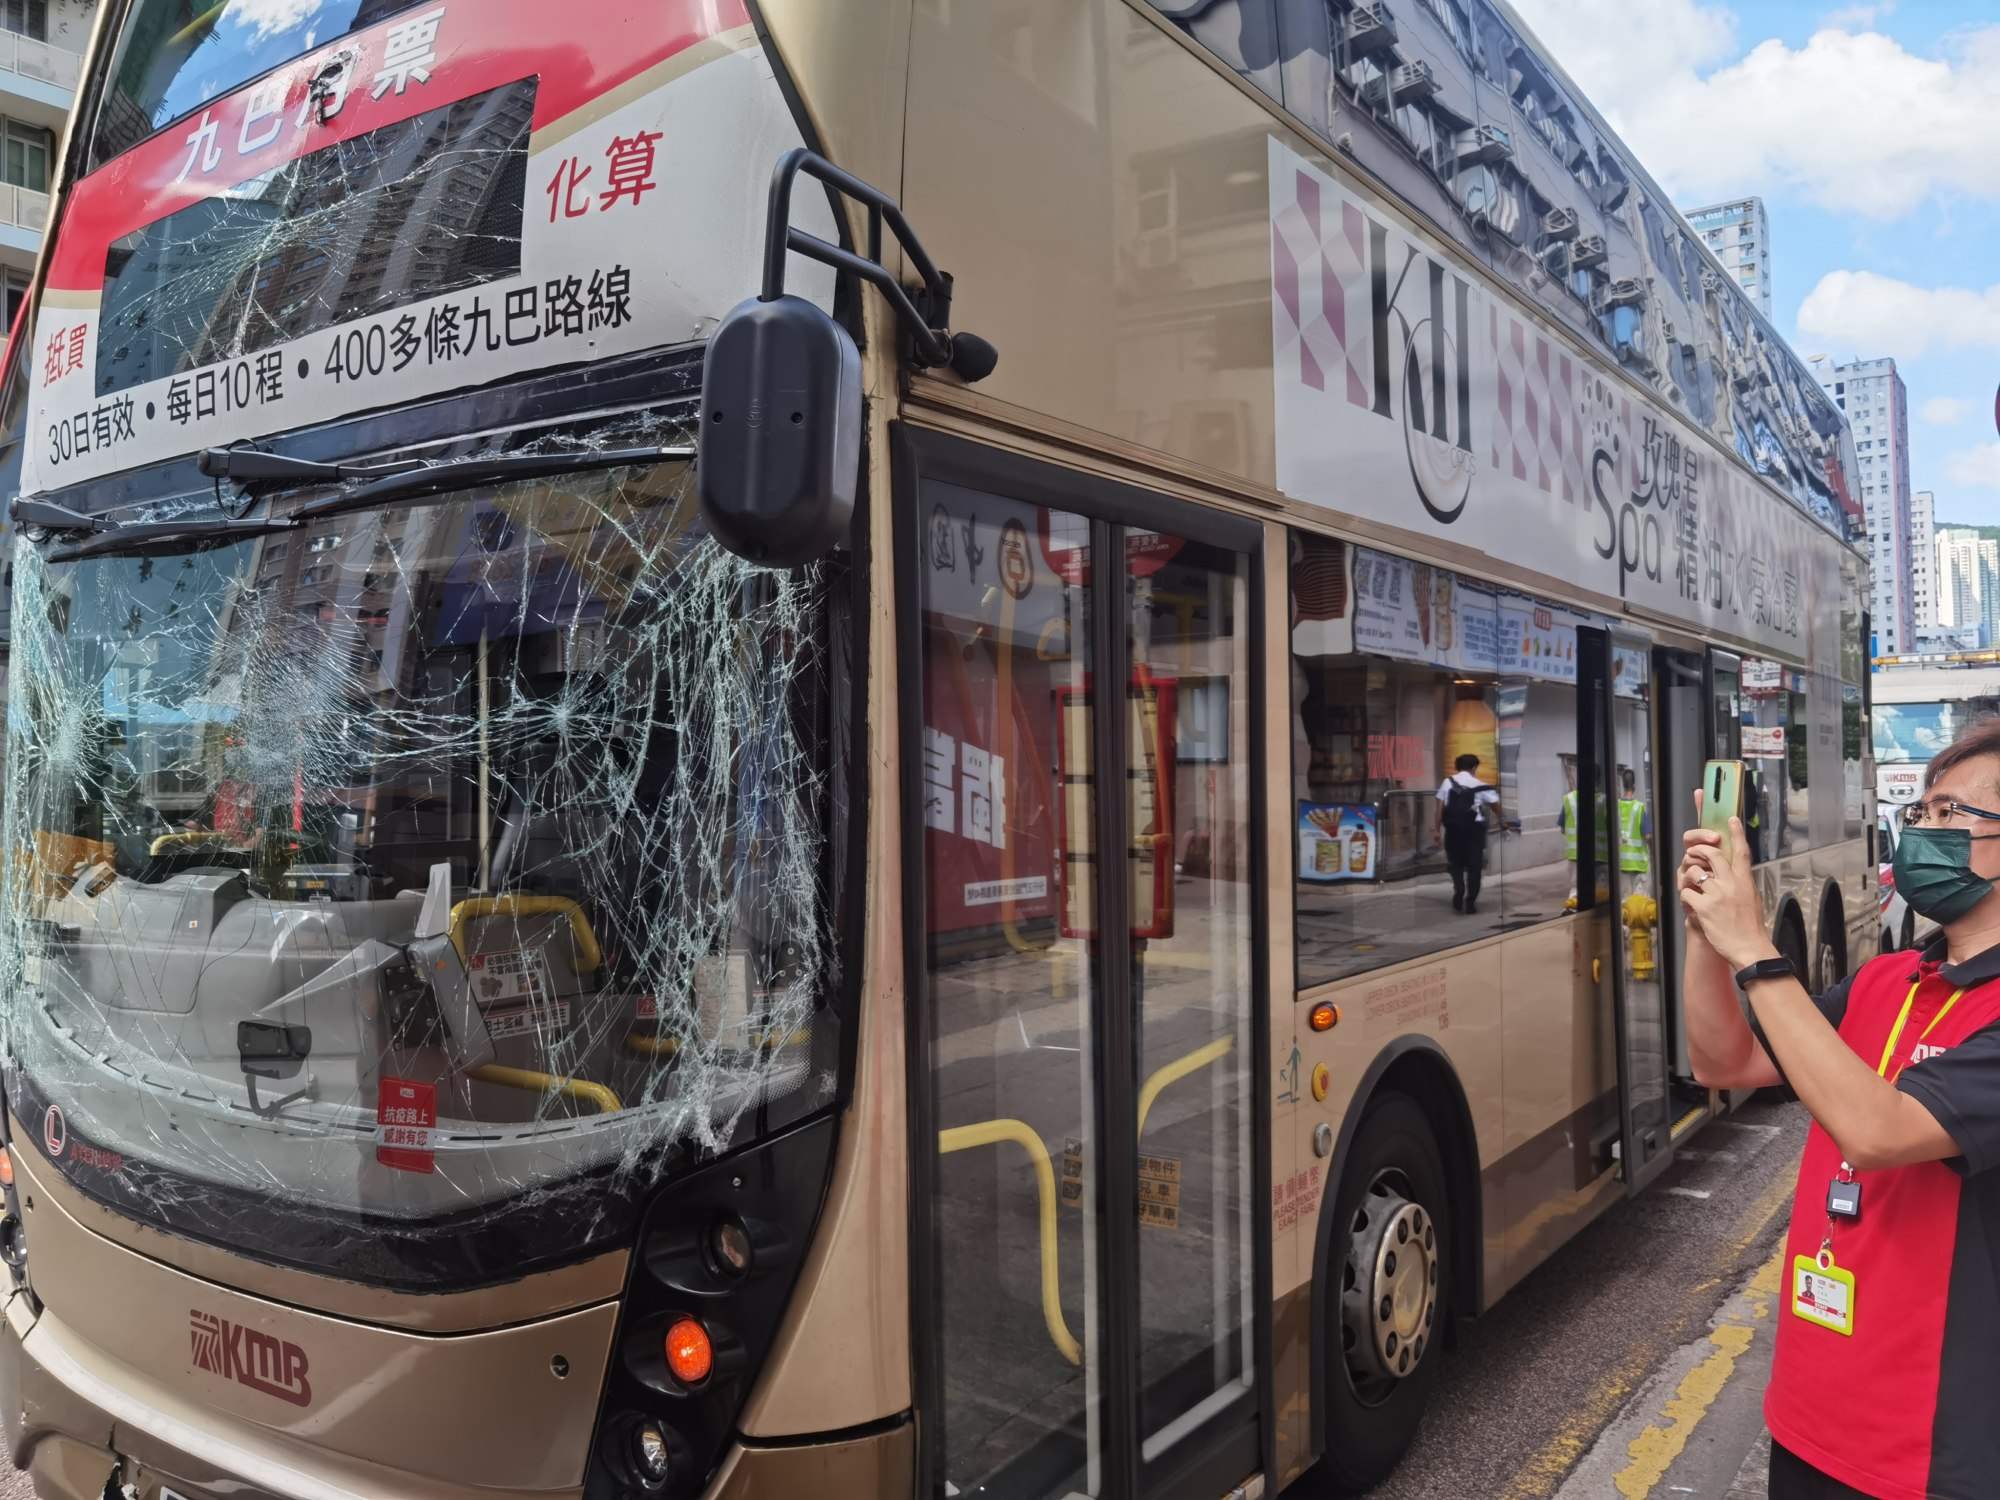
point(442, 864)
point(176, 55)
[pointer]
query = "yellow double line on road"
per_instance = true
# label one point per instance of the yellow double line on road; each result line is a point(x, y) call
point(1545, 1471)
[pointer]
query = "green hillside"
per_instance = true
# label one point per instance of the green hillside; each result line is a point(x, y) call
point(1986, 533)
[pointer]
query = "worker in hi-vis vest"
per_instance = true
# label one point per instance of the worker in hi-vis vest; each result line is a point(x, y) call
point(1635, 831)
point(1567, 820)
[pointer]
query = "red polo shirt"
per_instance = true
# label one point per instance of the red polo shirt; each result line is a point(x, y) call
point(1904, 1406)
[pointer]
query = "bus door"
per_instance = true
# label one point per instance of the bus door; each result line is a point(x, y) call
point(1725, 697)
point(1618, 796)
point(1681, 685)
point(1087, 982)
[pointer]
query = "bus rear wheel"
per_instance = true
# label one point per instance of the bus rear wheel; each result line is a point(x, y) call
point(1387, 1296)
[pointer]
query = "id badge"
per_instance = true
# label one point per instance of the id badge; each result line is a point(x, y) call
point(1823, 1293)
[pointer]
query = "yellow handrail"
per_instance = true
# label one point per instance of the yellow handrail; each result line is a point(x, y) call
point(992, 1133)
point(548, 1083)
point(766, 1042)
point(588, 955)
point(1173, 1072)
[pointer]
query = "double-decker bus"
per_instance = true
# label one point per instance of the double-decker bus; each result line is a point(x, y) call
point(633, 871)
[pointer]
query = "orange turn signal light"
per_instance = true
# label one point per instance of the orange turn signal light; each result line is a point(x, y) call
point(6, 1168)
point(690, 1351)
point(1325, 1017)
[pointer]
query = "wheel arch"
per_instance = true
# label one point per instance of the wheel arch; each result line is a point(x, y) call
point(1833, 932)
point(1790, 917)
point(1417, 1067)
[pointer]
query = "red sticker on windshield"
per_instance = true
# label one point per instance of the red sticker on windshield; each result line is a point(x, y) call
point(406, 1116)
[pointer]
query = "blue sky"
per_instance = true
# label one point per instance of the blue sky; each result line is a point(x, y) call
point(1872, 133)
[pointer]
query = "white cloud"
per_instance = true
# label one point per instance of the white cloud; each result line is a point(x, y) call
point(1857, 17)
point(270, 17)
point(1944, 411)
point(1864, 312)
point(1850, 120)
point(1975, 466)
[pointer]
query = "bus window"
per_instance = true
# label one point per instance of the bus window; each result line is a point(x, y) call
point(176, 55)
point(1376, 734)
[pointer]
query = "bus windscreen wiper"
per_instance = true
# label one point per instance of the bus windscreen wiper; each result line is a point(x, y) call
point(393, 484)
point(41, 516)
point(164, 538)
point(437, 479)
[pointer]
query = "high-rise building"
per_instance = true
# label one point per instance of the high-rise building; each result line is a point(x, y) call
point(1878, 410)
point(1740, 235)
point(1968, 572)
point(1923, 563)
point(41, 46)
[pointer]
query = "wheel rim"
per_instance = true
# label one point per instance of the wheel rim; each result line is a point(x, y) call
point(1829, 961)
point(1389, 1287)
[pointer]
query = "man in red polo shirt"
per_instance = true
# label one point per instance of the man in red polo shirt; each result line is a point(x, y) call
point(1888, 1332)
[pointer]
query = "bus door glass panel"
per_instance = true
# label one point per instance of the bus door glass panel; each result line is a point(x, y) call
point(1089, 1038)
point(1008, 785)
point(1683, 747)
point(1187, 748)
point(1616, 728)
point(1725, 694)
point(1772, 721)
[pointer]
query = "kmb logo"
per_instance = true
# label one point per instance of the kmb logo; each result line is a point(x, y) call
point(250, 1358)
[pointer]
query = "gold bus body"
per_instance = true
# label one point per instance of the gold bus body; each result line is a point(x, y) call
point(1012, 132)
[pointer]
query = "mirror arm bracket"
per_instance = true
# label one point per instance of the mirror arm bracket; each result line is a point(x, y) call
point(926, 317)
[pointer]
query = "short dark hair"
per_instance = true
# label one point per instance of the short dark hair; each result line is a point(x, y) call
point(1468, 763)
point(1980, 737)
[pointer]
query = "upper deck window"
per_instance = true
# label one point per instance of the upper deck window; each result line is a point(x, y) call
point(174, 56)
point(415, 209)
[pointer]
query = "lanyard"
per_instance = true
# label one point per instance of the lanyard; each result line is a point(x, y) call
point(1843, 1194)
point(1896, 1032)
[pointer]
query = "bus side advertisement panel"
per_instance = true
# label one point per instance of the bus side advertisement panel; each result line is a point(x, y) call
point(620, 206)
point(1408, 393)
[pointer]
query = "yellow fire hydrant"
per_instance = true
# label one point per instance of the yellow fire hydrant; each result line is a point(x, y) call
point(1642, 915)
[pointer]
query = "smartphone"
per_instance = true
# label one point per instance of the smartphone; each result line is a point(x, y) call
point(1722, 798)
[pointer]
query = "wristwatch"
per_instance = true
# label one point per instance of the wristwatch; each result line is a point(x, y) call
point(1767, 968)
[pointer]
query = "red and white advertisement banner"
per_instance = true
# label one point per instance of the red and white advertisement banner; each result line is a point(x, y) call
point(656, 126)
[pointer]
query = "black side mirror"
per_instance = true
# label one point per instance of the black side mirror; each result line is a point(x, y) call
point(780, 432)
point(780, 444)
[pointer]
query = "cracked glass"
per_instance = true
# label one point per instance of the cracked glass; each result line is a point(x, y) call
point(451, 870)
point(174, 56)
point(393, 216)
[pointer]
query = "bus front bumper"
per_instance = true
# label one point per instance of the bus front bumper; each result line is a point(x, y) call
point(47, 1376)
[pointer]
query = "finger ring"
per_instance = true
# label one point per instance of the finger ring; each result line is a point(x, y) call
point(1702, 878)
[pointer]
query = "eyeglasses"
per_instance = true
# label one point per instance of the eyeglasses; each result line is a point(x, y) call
point(1943, 810)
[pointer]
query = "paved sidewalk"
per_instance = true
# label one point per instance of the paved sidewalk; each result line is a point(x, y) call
point(1696, 1426)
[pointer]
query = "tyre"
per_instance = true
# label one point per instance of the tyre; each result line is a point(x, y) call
point(1828, 959)
point(1389, 1278)
point(1792, 943)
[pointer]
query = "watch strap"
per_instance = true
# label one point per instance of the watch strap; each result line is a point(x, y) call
point(1766, 968)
